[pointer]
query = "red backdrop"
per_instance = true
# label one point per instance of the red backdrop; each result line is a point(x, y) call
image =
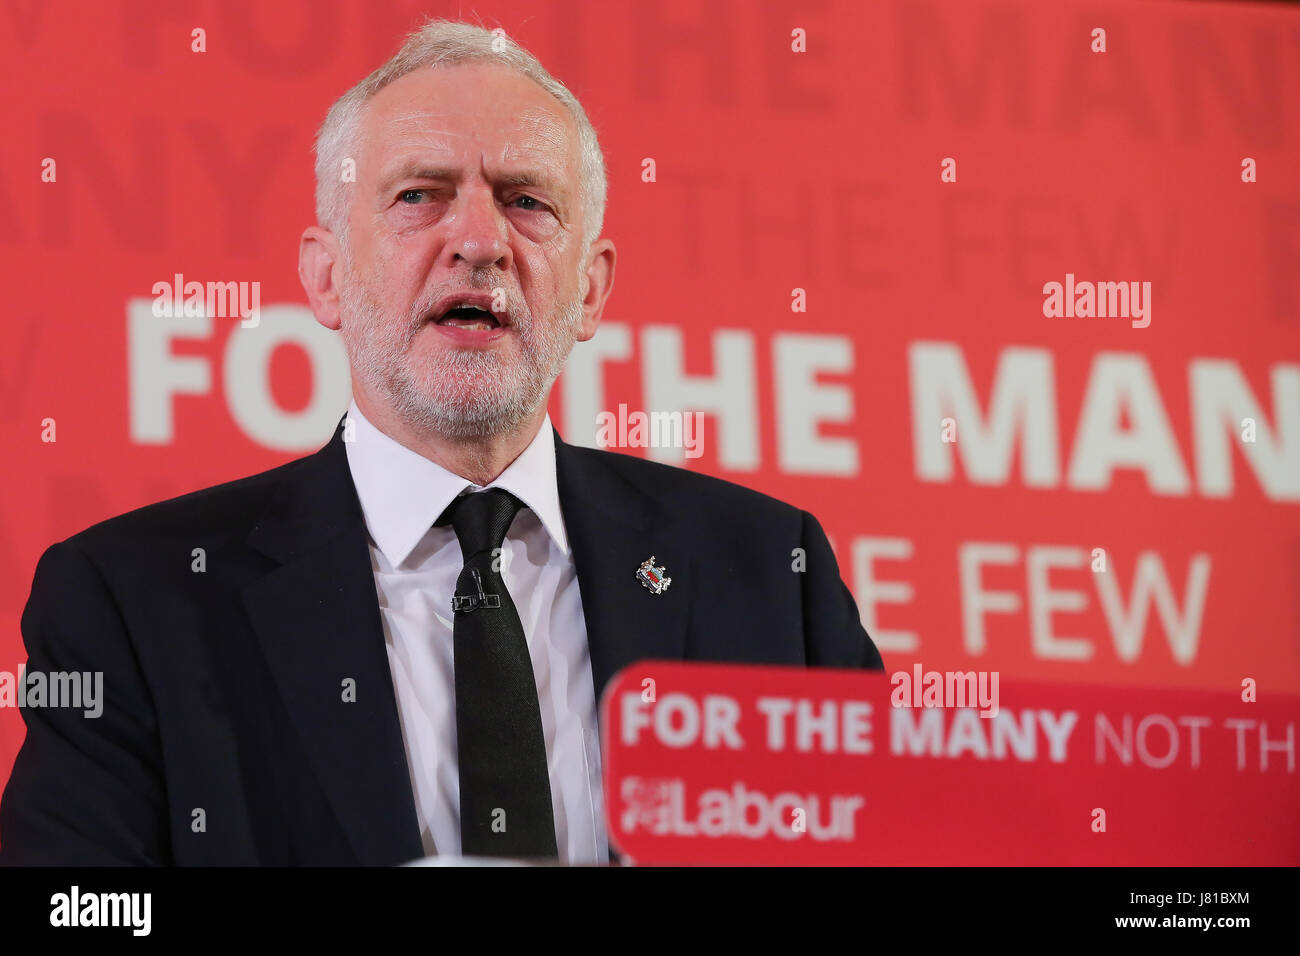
point(774, 171)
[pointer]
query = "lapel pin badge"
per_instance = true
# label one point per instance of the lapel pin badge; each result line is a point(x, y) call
point(653, 577)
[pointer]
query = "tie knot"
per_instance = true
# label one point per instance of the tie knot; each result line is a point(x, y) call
point(481, 519)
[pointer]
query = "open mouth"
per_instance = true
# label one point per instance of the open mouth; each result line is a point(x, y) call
point(469, 310)
point(470, 317)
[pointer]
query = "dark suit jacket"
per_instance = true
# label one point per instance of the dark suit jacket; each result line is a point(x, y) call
point(223, 698)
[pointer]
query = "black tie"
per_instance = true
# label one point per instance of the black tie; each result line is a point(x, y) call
point(505, 791)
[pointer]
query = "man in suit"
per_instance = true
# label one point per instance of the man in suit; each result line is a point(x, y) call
point(395, 647)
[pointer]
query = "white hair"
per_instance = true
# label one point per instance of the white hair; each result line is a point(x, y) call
point(444, 43)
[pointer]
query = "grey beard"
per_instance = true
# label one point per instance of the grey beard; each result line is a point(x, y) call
point(467, 393)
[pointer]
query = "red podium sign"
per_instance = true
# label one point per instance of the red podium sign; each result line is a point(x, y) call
point(767, 765)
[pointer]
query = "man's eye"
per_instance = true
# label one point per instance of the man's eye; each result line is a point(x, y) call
point(406, 194)
point(538, 203)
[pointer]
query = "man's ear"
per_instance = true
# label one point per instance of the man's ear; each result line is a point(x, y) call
point(598, 281)
point(318, 258)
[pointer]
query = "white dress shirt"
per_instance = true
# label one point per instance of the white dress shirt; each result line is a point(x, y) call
point(416, 566)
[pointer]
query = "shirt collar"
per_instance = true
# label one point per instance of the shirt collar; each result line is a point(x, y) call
point(403, 493)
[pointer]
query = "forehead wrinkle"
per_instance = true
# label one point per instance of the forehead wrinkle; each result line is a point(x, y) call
point(419, 121)
point(534, 121)
point(546, 124)
point(412, 157)
point(415, 150)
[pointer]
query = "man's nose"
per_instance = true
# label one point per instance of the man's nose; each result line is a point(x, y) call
point(479, 231)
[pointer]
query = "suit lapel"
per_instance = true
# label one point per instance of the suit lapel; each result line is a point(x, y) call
point(613, 527)
point(317, 617)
